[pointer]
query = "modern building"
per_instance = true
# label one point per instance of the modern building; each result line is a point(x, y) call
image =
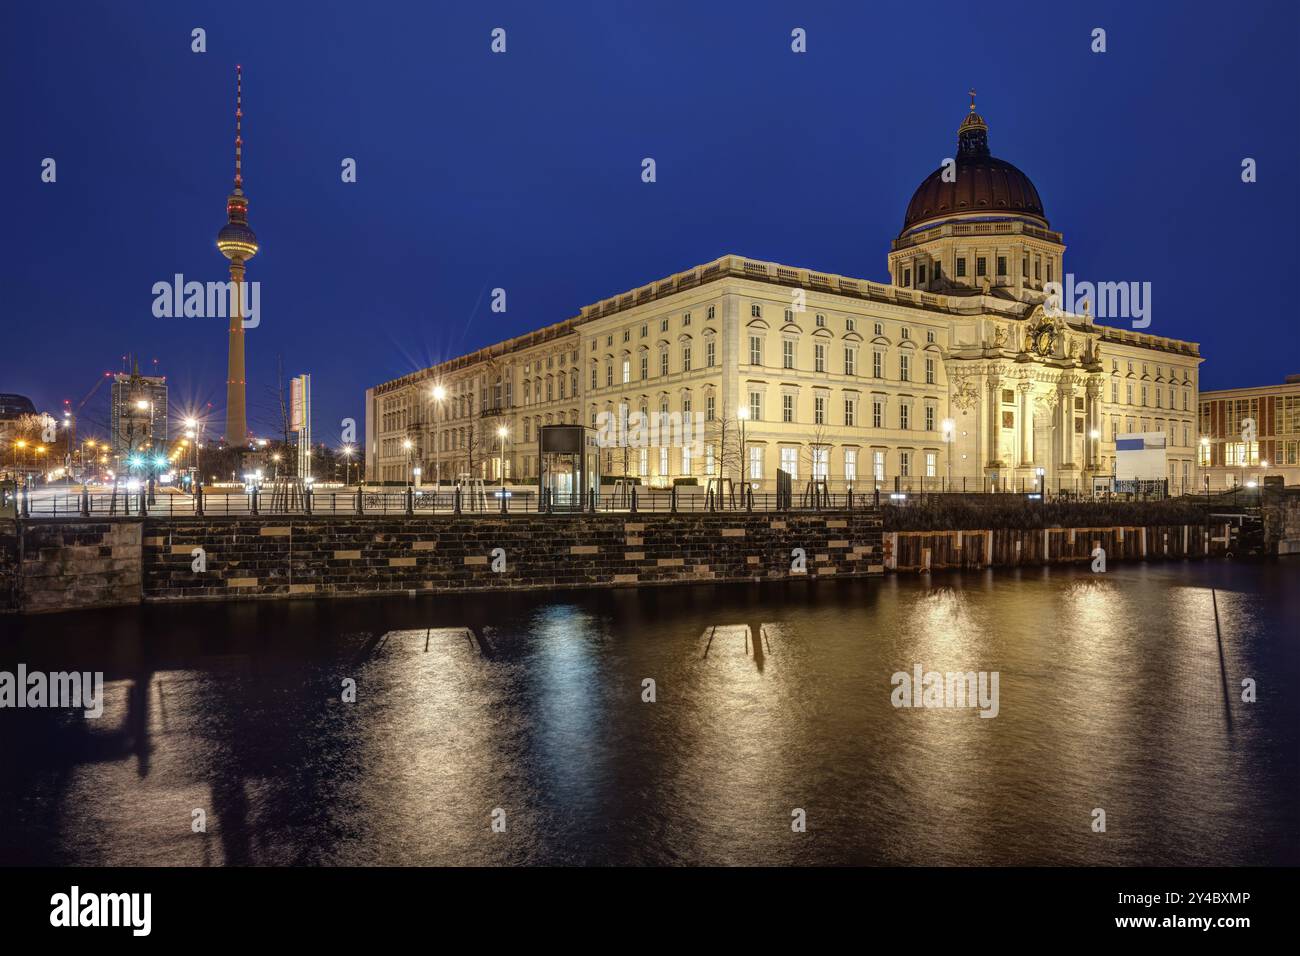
point(138, 415)
point(1249, 433)
point(959, 371)
point(238, 243)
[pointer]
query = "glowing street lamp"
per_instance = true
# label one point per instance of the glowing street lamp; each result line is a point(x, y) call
point(502, 431)
point(439, 395)
point(949, 428)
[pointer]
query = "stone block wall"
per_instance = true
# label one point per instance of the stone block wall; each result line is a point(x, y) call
point(69, 564)
point(269, 556)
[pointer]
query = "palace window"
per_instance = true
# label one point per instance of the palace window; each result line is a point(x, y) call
point(877, 361)
point(627, 371)
point(686, 358)
point(904, 416)
point(850, 324)
point(789, 315)
point(961, 267)
point(850, 361)
point(850, 464)
point(929, 371)
point(756, 463)
point(907, 277)
point(755, 350)
point(756, 310)
point(819, 357)
point(790, 462)
point(756, 406)
point(877, 412)
point(980, 266)
point(710, 353)
point(905, 464)
point(686, 460)
point(787, 354)
point(686, 318)
point(904, 368)
point(819, 410)
point(1002, 266)
point(711, 312)
point(879, 329)
point(931, 464)
point(645, 364)
point(920, 274)
point(663, 325)
point(663, 361)
point(627, 335)
point(709, 407)
point(850, 406)
point(929, 418)
point(787, 408)
point(821, 462)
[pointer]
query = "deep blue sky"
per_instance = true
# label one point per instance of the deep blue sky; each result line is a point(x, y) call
point(522, 170)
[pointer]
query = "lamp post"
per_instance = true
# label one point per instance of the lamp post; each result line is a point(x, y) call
point(1093, 437)
point(347, 463)
point(742, 413)
point(502, 431)
point(439, 395)
point(949, 433)
point(407, 446)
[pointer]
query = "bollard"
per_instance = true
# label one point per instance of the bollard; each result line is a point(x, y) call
point(85, 503)
point(456, 501)
point(252, 502)
point(410, 500)
point(634, 499)
point(361, 502)
point(673, 501)
point(503, 499)
point(198, 500)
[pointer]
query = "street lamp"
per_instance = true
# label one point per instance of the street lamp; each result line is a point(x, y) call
point(949, 434)
point(407, 446)
point(347, 465)
point(742, 413)
point(501, 456)
point(439, 395)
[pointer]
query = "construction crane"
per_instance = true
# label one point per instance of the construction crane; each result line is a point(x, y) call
point(70, 415)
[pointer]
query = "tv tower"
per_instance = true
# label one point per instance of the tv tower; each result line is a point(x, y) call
point(238, 243)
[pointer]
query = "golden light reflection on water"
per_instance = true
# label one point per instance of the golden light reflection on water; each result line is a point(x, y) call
point(1114, 692)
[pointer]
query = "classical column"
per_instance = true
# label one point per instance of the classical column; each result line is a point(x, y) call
point(1066, 403)
point(1026, 424)
point(1092, 423)
point(995, 383)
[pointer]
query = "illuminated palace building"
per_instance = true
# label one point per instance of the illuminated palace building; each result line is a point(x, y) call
point(953, 372)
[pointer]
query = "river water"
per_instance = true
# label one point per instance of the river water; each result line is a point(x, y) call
point(1114, 694)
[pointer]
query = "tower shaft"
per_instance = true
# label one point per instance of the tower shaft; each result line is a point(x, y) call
point(236, 410)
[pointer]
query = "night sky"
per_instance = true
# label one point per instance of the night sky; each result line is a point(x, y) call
point(522, 170)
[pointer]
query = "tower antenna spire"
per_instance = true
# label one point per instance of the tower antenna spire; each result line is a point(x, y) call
point(972, 99)
point(239, 140)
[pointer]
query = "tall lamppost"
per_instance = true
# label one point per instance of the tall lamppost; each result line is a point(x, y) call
point(742, 414)
point(407, 446)
point(949, 433)
point(439, 395)
point(347, 464)
point(1093, 437)
point(502, 431)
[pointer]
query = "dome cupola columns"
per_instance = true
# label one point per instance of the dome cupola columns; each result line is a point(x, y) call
point(976, 224)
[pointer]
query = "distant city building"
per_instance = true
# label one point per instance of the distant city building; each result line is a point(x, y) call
point(1230, 454)
point(957, 371)
point(138, 413)
point(15, 406)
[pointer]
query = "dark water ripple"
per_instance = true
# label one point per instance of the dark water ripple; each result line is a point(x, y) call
point(1114, 693)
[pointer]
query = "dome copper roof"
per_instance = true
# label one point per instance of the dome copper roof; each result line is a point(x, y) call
point(983, 184)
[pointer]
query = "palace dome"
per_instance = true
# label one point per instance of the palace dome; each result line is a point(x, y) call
point(983, 184)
